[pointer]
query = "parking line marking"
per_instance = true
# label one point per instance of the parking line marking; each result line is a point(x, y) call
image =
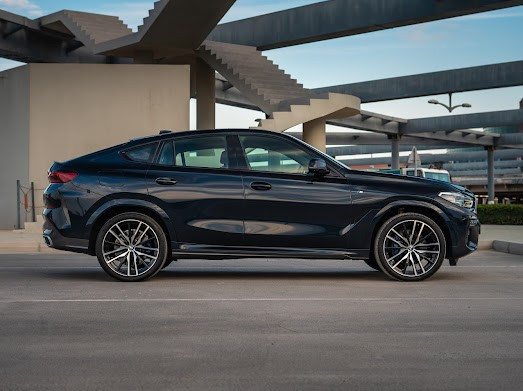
point(379, 299)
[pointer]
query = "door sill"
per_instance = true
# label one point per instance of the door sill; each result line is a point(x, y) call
point(233, 252)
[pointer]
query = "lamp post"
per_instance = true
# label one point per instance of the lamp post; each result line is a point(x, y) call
point(449, 107)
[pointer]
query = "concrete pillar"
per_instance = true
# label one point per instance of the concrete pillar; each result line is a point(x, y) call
point(490, 174)
point(205, 96)
point(314, 134)
point(395, 148)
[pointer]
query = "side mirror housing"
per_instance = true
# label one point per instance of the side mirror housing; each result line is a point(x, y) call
point(318, 167)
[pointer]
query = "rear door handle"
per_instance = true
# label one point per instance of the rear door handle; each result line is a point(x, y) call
point(261, 186)
point(166, 181)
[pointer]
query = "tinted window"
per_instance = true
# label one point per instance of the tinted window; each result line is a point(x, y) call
point(209, 152)
point(167, 154)
point(275, 155)
point(144, 153)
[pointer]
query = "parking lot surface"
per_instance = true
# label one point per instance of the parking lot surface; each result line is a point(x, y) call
point(260, 324)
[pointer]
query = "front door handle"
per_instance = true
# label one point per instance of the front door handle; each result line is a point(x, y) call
point(166, 181)
point(261, 186)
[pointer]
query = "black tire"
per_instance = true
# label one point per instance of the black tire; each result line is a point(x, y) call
point(412, 254)
point(372, 264)
point(122, 241)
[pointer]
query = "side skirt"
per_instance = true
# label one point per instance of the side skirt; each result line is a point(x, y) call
point(196, 251)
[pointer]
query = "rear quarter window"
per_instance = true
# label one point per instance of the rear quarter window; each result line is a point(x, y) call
point(142, 153)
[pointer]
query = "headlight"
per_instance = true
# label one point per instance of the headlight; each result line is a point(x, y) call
point(458, 199)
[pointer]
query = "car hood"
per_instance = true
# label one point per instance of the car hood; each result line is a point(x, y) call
point(412, 182)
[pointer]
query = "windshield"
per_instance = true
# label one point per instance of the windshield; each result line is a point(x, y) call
point(440, 176)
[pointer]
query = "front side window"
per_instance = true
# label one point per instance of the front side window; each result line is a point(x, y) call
point(205, 152)
point(142, 154)
point(271, 154)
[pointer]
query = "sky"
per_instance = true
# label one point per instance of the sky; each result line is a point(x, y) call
point(480, 39)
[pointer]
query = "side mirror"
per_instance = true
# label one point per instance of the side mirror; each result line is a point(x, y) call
point(318, 167)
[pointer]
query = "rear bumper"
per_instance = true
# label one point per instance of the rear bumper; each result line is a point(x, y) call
point(54, 239)
point(468, 238)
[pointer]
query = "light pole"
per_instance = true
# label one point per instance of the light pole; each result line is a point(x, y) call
point(449, 107)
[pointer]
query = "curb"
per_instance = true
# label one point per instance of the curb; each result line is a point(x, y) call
point(26, 248)
point(508, 247)
point(485, 245)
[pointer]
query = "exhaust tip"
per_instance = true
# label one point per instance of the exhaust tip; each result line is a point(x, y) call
point(48, 241)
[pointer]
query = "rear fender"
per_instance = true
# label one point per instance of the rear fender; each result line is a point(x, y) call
point(130, 202)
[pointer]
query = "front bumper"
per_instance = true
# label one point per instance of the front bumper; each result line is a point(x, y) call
point(468, 238)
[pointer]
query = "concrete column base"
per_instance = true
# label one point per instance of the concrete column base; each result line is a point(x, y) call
point(314, 133)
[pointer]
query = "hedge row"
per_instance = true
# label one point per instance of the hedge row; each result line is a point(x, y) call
point(501, 214)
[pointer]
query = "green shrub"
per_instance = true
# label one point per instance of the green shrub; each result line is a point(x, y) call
point(501, 214)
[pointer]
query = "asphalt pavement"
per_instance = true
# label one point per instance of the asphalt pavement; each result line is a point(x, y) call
point(261, 325)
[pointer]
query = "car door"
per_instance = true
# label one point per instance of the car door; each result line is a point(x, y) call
point(284, 205)
point(192, 179)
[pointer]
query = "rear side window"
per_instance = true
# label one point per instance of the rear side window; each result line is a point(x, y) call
point(142, 154)
point(205, 152)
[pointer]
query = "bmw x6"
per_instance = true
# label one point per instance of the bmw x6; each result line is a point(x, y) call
point(221, 194)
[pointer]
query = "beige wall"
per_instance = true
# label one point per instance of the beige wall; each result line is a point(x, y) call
point(14, 141)
point(74, 109)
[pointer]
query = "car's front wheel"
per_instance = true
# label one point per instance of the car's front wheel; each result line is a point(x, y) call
point(410, 247)
point(131, 247)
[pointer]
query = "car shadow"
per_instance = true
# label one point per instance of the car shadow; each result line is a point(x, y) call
point(314, 274)
point(80, 274)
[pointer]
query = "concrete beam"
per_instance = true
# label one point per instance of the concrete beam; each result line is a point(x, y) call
point(463, 121)
point(339, 18)
point(376, 148)
point(372, 122)
point(483, 77)
point(450, 156)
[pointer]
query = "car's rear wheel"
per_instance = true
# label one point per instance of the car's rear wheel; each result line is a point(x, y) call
point(131, 247)
point(410, 247)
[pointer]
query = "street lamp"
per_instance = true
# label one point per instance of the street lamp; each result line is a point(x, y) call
point(449, 107)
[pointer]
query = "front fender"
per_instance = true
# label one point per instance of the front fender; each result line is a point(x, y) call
point(370, 221)
point(411, 203)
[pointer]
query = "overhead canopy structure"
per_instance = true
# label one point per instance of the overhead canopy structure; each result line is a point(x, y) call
point(339, 18)
point(508, 74)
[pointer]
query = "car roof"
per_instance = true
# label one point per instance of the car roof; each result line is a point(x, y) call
point(170, 134)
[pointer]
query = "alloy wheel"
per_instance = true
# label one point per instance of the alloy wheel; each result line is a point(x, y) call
point(130, 248)
point(411, 248)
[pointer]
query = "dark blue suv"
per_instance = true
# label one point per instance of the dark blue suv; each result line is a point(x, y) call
point(221, 194)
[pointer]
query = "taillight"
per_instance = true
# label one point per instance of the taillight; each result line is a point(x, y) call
point(61, 176)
